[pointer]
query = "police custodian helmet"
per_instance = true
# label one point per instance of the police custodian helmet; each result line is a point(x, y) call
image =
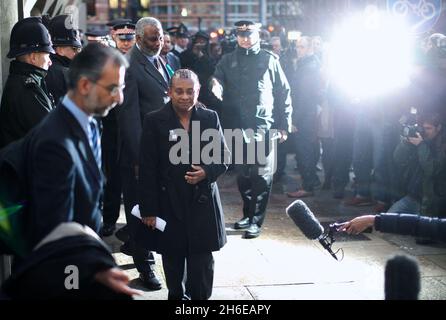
point(63, 33)
point(29, 35)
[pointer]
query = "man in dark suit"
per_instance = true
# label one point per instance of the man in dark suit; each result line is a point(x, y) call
point(145, 91)
point(169, 57)
point(184, 193)
point(63, 152)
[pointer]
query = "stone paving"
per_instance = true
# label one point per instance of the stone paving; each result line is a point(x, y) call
point(282, 264)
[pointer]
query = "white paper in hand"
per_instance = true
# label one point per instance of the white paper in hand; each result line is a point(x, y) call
point(160, 224)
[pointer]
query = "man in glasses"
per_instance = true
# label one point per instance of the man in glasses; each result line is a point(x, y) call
point(146, 90)
point(67, 44)
point(64, 185)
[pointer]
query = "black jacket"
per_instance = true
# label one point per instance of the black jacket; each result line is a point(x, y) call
point(194, 215)
point(256, 93)
point(65, 183)
point(56, 78)
point(306, 86)
point(43, 274)
point(204, 67)
point(413, 225)
point(25, 101)
point(145, 91)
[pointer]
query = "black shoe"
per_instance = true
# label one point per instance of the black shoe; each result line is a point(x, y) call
point(150, 281)
point(242, 224)
point(126, 249)
point(123, 234)
point(252, 232)
point(107, 230)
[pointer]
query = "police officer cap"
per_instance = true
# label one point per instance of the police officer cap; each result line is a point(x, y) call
point(114, 22)
point(201, 34)
point(96, 33)
point(63, 33)
point(128, 34)
point(29, 35)
point(246, 27)
point(172, 31)
point(182, 31)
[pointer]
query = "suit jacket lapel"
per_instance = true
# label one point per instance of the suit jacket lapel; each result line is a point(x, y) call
point(82, 144)
point(150, 68)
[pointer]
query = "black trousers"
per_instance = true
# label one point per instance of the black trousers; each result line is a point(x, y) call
point(254, 182)
point(141, 257)
point(189, 277)
point(113, 185)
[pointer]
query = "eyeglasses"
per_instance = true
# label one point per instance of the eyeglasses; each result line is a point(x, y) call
point(114, 90)
point(153, 39)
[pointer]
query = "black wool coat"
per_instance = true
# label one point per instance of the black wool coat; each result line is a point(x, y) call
point(194, 215)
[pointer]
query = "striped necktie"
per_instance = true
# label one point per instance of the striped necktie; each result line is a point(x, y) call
point(160, 68)
point(95, 141)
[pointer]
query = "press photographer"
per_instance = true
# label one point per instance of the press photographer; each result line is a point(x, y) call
point(421, 159)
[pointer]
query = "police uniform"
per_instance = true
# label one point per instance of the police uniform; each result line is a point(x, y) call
point(181, 32)
point(61, 37)
point(256, 95)
point(25, 101)
point(124, 30)
point(97, 36)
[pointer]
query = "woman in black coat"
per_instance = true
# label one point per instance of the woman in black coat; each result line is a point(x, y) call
point(182, 190)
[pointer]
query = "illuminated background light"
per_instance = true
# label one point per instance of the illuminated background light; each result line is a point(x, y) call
point(371, 54)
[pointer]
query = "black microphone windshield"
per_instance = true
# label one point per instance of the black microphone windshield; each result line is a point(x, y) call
point(402, 278)
point(305, 220)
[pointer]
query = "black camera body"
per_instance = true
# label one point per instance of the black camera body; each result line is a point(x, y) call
point(409, 125)
point(410, 131)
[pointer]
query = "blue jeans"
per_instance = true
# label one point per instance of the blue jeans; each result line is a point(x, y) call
point(373, 146)
point(406, 204)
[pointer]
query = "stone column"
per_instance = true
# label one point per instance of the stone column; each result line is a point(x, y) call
point(9, 14)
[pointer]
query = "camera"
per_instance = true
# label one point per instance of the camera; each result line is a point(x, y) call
point(409, 124)
point(410, 131)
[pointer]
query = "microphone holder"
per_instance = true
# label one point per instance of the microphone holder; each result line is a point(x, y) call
point(328, 239)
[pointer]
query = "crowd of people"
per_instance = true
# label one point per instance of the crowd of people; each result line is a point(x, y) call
point(58, 110)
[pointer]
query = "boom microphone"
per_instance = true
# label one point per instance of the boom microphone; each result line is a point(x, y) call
point(305, 220)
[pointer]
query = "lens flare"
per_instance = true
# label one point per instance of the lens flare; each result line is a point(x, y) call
point(371, 55)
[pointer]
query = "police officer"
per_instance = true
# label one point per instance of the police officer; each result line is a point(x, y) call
point(26, 101)
point(181, 40)
point(67, 44)
point(124, 36)
point(98, 36)
point(255, 95)
point(111, 31)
